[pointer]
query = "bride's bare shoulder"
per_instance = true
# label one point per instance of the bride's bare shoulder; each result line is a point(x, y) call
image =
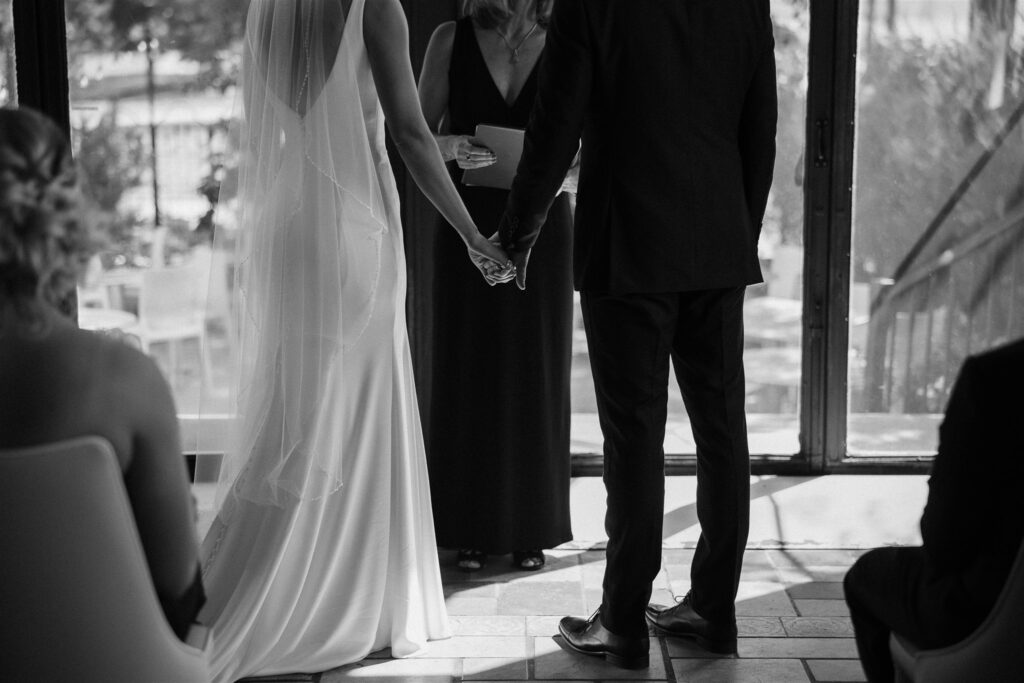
point(382, 18)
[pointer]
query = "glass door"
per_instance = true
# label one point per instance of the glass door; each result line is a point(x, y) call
point(937, 268)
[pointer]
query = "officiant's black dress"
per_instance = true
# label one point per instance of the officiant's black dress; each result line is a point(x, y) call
point(498, 449)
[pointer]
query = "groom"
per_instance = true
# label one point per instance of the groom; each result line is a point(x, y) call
point(676, 106)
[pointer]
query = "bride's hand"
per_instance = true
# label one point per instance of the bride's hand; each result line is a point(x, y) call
point(492, 262)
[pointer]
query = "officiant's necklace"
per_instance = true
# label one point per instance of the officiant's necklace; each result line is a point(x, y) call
point(514, 57)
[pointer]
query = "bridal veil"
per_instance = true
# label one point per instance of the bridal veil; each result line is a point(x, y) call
point(305, 225)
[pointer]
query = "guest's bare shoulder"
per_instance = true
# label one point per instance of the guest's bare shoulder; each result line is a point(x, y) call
point(137, 374)
point(136, 388)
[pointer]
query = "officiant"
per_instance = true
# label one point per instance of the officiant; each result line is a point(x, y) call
point(498, 448)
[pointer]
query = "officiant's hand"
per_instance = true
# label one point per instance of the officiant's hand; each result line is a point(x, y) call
point(490, 259)
point(466, 153)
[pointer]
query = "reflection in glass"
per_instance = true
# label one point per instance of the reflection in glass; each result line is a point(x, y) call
point(773, 310)
point(938, 255)
point(8, 82)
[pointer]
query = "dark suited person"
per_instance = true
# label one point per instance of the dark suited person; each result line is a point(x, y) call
point(973, 523)
point(676, 106)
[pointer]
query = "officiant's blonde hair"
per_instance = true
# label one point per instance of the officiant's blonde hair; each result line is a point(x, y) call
point(494, 13)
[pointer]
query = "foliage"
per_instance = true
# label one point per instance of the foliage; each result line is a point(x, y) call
point(205, 32)
point(112, 160)
point(921, 125)
point(220, 185)
point(201, 30)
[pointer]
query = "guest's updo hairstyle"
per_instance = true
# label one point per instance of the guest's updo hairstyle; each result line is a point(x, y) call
point(45, 239)
point(493, 13)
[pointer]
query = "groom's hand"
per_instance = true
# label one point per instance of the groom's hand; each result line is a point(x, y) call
point(519, 261)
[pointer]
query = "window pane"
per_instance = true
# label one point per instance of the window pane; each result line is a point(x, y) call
point(773, 309)
point(151, 96)
point(8, 83)
point(938, 257)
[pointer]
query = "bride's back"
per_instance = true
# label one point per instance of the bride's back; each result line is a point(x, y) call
point(295, 44)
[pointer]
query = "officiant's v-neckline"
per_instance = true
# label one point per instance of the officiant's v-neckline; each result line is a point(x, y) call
point(510, 105)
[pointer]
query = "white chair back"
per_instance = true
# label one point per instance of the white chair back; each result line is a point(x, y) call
point(78, 603)
point(171, 298)
point(993, 653)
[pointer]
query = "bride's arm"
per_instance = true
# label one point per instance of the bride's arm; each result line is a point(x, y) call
point(387, 43)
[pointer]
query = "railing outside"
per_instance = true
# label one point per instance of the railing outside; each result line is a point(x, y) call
point(968, 299)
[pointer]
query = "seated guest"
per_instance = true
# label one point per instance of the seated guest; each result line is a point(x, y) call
point(972, 526)
point(58, 382)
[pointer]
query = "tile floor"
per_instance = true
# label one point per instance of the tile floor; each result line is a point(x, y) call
point(793, 625)
point(793, 622)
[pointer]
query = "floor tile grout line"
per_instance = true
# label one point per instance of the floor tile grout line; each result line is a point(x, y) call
point(670, 671)
point(807, 670)
point(531, 658)
point(792, 603)
point(583, 583)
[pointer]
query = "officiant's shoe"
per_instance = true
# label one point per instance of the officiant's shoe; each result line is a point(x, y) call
point(590, 637)
point(682, 621)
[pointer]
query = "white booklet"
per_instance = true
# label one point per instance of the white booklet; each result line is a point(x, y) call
point(507, 144)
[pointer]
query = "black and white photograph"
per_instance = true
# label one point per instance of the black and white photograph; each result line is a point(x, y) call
point(511, 340)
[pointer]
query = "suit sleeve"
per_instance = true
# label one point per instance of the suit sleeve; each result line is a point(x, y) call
point(955, 506)
point(758, 122)
point(556, 123)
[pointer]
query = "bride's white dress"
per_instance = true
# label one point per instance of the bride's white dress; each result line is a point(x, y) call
point(346, 562)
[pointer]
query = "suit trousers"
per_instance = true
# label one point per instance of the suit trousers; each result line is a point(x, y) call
point(889, 590)
point(631, 338)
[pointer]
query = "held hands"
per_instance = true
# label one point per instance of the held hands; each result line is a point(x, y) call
point(518, 263)
point(494, 264)
point(467, 154)
point(489, 258)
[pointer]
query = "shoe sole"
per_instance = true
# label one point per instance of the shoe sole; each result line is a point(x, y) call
point(470, 565)
point(641, 662)
point(519, 564)
point(536, 567)
point(717, 647)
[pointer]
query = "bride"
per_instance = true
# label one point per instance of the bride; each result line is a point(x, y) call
point(323, 547)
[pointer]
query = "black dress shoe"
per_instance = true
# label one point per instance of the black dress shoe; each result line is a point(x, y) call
point(682, 621)
point(590, 637)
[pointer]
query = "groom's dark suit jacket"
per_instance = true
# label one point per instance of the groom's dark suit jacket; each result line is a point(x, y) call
point(676, 104)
